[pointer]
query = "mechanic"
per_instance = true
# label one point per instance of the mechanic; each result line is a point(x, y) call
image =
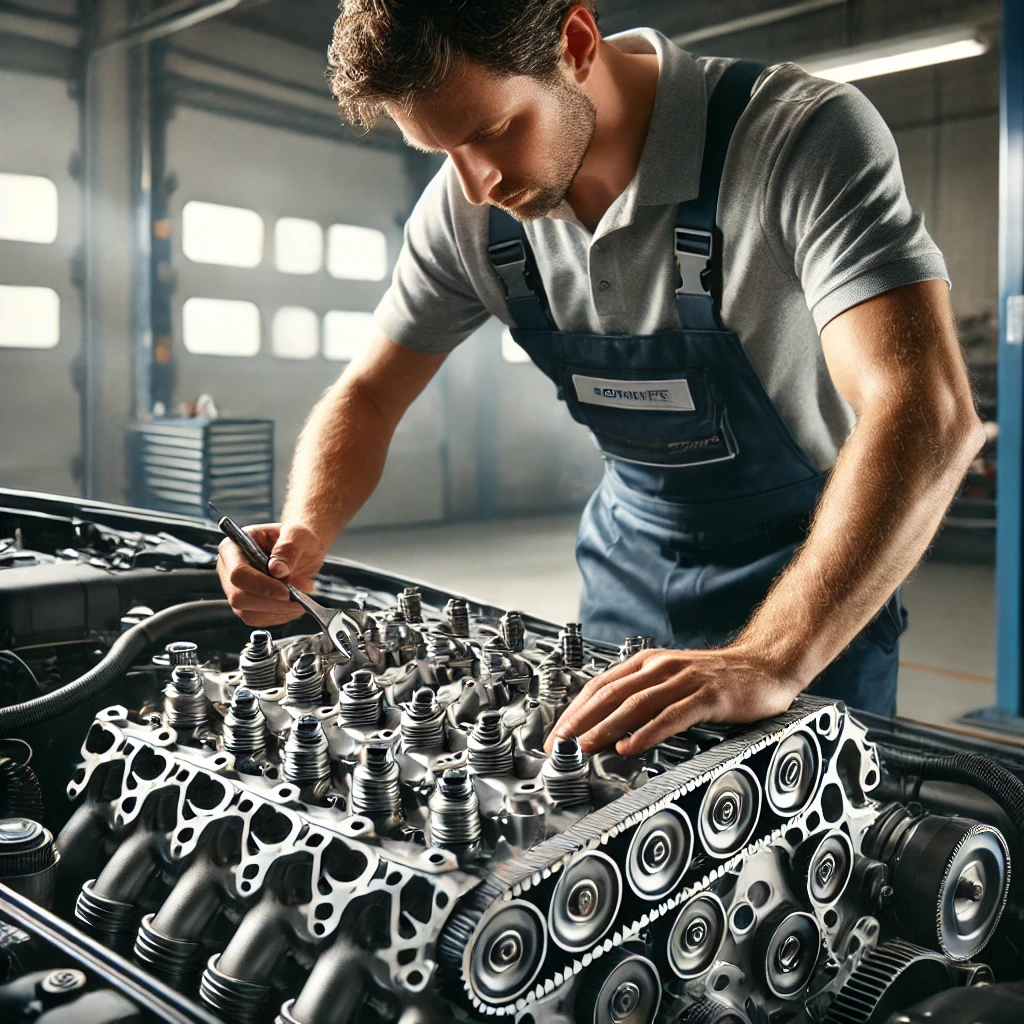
point(718, 266)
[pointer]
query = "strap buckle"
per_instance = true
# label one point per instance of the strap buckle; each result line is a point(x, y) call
point(693, 258)
point(509, 262)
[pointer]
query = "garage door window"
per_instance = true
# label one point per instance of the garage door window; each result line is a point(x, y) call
point(345, 334)
point(295, 333)
point(227, 235)
point(29, 317)
point(220, 327)
point(356, 254)
point(28, 208)
point(298, 246)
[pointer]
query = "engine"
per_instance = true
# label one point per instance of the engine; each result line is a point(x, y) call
point(288, 831)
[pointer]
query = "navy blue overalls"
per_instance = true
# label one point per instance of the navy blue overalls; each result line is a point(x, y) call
point(706, 493)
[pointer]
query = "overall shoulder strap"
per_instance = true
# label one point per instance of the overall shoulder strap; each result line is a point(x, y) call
point(698, 241)
point(513, 262)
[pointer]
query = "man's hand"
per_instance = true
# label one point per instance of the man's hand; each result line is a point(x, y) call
point(296, 555)
point(656, 694)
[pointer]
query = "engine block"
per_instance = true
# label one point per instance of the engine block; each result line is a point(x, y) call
point(381, 837)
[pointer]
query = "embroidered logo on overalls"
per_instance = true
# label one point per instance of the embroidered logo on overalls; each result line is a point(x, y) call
point(649, 395)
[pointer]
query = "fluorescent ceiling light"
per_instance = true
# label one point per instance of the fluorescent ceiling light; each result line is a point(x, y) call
point(918, 51)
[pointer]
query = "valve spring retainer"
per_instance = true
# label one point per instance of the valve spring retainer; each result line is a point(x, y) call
point(410, 601)
point(241, 1002)
point(422, 721)
point(490, 754)
point(456, 611)
point(245, 728)
point(571, 639)
point(635, 644)
point(166, 955)
point(375, 790)
point(185, 703)
point(360, 700)
point(552, 687)
point(306, 758)
point(104, 915)
point(304, 683)
point(566, 774)
point(258, 661)
point(513, 629)
point(454, 811)
point(182, 652)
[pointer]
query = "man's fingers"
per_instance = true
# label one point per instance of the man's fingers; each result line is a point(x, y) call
point(635, 710)
point(587, 709)
point(244, 577)
point(259, 620)
point(677, 717)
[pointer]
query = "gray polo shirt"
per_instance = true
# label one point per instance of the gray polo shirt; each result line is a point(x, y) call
point(813, 211)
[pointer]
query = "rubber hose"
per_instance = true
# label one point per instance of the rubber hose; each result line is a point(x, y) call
point(970, 769)
point(123, 653)
point(20, 795)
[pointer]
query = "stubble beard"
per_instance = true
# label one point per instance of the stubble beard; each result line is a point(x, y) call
point(575, 132)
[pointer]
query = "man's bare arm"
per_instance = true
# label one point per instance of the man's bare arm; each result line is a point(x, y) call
point(337, 465)
point(897, 360)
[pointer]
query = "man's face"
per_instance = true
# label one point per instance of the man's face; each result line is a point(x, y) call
point(515, 142)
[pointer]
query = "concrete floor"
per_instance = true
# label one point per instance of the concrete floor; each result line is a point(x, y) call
point(947, 657)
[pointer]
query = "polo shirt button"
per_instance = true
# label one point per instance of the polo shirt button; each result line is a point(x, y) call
point(604, 286)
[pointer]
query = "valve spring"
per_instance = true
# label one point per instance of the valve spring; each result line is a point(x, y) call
point(185, 703)
point(244, 726)
point(258, 661)
point(552, 687)
point(635, 644)
point(375, 782)
point(410, 601)
point(513, 629)
point(490, 754)
point(439, 647)
point(454, 811)
point(304, 682)
point(497, 656)
point(456, 611)
point(566, 774)
point(422, 721)
point(306, 759)
point(572, 644)
point(182, 652)
point(360, 700)
point(393, 634)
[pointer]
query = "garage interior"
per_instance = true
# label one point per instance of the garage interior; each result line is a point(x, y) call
point(191, 238)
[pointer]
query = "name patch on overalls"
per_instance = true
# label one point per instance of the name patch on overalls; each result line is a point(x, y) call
point(645, 395)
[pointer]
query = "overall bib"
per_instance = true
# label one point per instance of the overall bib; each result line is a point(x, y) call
point(706, 493)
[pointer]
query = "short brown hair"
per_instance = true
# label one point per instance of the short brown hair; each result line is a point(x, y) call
point(398, 50)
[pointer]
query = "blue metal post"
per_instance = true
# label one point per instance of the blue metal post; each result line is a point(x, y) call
point(1009, 552)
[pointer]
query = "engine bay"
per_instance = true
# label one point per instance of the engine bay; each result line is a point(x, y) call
point(203, 822)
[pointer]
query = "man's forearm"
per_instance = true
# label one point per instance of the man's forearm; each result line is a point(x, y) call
point(894, 479)
point(338, 461)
